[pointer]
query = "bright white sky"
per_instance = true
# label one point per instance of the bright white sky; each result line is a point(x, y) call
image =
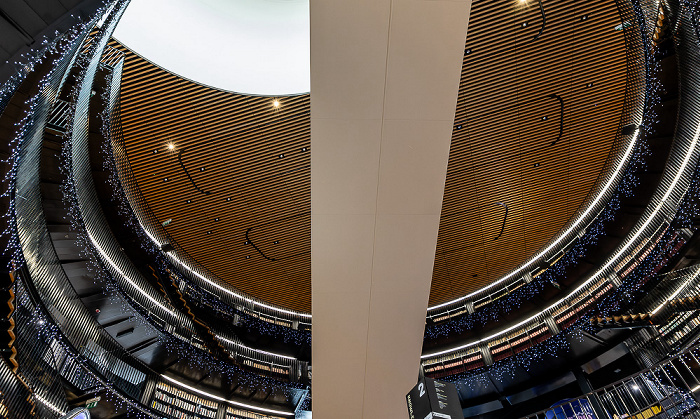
point(256, 47)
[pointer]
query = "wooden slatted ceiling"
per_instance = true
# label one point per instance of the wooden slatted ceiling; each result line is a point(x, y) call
point(503, 152)
point(232, 145)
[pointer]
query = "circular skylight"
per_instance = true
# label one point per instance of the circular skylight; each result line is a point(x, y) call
point(258, 47)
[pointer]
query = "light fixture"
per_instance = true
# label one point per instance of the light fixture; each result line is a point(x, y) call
point(171, 146)
point(216, 219)
point(165, 179)
point(201, 169)
point(281, 156)
point(189, 201)
point(524, 24)
point(276, 103)
point(228, 199)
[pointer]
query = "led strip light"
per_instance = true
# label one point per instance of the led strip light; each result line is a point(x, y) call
point(561, 237)
point(611, 261)
point(106, 257)
point(221, 399)
point(224, 289)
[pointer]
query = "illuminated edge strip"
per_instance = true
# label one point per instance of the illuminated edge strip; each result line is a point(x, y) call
point(212, 396)
point(253, 349)
point(224, 289)
point(561, 237)
point(106, 257)
point(49, 404)
point(625, 247)
point(678, 291)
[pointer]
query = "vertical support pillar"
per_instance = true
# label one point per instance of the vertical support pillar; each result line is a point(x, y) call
point(384, 79)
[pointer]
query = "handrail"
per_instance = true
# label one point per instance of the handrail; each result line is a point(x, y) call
point(665, 388)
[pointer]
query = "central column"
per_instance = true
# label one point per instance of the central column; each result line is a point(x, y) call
point(384, 82)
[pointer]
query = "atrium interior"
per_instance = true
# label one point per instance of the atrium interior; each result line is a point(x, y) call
point(272, 209)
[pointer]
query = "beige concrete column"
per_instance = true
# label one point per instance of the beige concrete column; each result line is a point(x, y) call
point(384, 82)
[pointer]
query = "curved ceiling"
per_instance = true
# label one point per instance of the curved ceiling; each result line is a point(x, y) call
point(258, 47)
point(238, 179)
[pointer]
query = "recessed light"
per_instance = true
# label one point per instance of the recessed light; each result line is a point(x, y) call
point(536, 165)
point(247, 257)
point(544, 118)
point(276, 103)
point(189, 201)
point(216, 219)
point(209, 232)
point(276, 242)
point(171, 146)
point(155, 151)
point(304, 149)
point(246, 243)
point(524, 24)
point(467, 51)
point(228, 199)
point(281, 156)
point(584, 17)
point(589, 84)
point(459, 126)
point(165, 179)
point(201, 169)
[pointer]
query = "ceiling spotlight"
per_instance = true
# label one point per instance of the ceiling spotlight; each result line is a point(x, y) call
point(276, 242)
point(536, 165)
point(247, 257)
point(171, 146)
point(276, 103)
point(155, 151)
point(201, 169)
point(208, 231)
point(281, 156)
point(189, 201)
point(584, 17)
point(165, 179)
point(216, 219)
point(467, 51)
point(524, 24)
point(544, 118)
point(304, 149)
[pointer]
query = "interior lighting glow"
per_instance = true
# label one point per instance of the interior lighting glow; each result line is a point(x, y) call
point(561, 237)
point(221, 399)
point(622, 251)
point(49, 404)
point(275, 103)
point(171, 146)
point(233, 45)
point(240, 345)
point(219, 287)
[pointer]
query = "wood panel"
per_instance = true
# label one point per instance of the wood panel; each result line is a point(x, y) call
point(249, 161)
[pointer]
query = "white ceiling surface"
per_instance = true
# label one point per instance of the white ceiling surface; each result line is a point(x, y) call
point(385, 76)
point(258, 47)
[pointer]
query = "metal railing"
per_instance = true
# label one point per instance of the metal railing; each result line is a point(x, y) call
point(667, 390)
